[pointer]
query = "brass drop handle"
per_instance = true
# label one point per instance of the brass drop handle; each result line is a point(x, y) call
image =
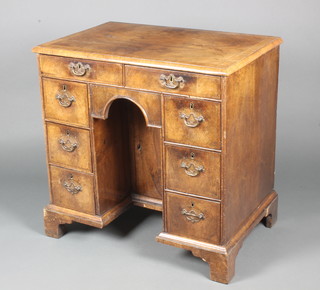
point(191, 120)
point(68, 143)
point(64, 97)
point(171, 81)
point(79, 69)
point(192, 216)
point(71, 185)
point(191, 168)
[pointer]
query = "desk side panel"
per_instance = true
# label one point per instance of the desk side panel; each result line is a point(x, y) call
point(250, 132)
point(112, 159)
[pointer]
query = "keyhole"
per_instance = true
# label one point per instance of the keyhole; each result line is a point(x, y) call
point(139, 147)
point(64, 87)
point(192, 155)
point(191, 106)
point(192, 204)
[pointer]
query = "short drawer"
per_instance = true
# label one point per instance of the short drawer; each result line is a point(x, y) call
point(65, 101)
point(193, 218)
point(72, 190)
point(192, 122)
point(69, 147)
point(102, 98)
point(192, 171)
point(80, 69)
point(176, 82)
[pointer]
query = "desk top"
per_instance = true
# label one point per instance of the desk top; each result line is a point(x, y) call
point(210, 52)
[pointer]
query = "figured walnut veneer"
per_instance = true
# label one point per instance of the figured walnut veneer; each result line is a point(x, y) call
point(176, 120)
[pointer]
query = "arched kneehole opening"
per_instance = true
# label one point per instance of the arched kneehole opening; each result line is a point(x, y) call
point(128, 156)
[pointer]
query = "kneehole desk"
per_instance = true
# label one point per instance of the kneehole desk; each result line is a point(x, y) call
point(175, 120)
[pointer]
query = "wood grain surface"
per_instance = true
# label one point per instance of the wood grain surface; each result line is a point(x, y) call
point(212, 52)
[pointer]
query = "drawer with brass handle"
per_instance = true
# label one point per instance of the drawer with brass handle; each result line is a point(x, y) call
point(174, 82)
point(192, 122)
point(80, 69)
point(65, 101)
point(192, 171)
point(72, 190)
point(69, 147)
point(192, 217)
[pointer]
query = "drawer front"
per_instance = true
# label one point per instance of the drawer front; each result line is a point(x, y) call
point(192, 122)
point(69, 147)
point(72, 190)
point(103, 96)
point(193, 171)
point(193, 218)
point(79, 69)
point(65, 101)
point(175, 82)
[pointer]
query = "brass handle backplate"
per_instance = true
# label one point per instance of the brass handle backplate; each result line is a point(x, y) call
point(79, 69)
point(191, 167)
point(192, 216)
point(68, 142)
point(171, 81)
point(65, 98)
point(191, 120)
point(71, 185)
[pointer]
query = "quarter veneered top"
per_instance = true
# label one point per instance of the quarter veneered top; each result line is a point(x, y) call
point(204, 51)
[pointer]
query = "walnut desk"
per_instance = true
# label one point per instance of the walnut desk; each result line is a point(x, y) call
point(176, 120)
